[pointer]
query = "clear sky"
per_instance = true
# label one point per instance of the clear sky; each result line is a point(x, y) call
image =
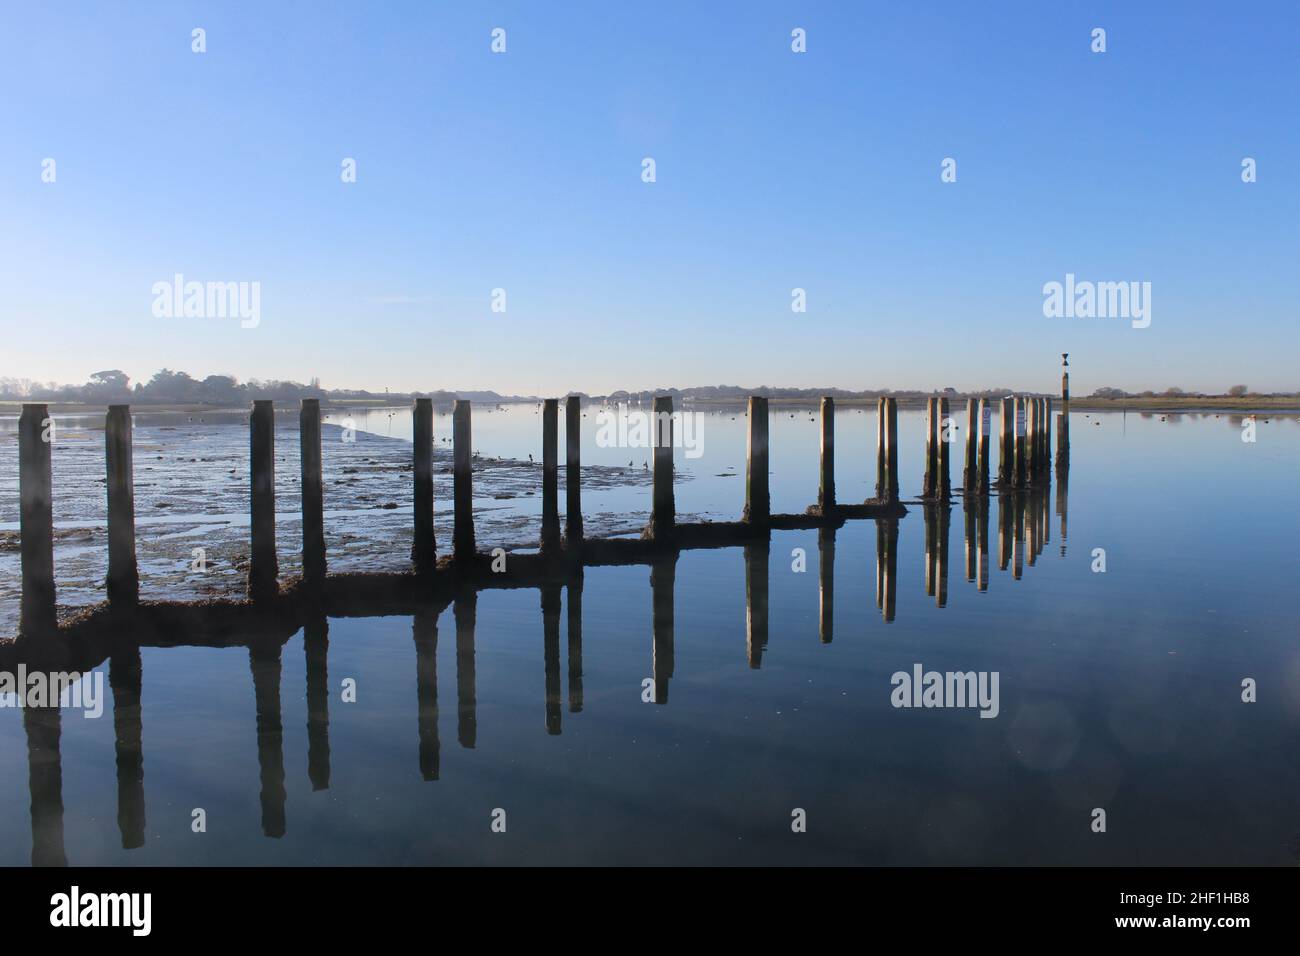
point(774, 170)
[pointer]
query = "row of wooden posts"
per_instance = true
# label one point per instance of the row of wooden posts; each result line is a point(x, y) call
point(1025, 454)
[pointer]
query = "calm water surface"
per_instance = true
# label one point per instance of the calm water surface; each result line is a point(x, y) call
point(651, 716)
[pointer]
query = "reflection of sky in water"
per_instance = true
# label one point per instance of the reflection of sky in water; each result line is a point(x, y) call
point(1119, 690)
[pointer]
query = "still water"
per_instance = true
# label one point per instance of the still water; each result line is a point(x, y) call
point(684, 713)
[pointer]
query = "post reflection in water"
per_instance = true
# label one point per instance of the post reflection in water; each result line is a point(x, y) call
point(424, 629)
point(757, 558)
point(575, 643)
point(125, 673)
point(466, 707)
point(663, 581)
point(44, 727)
point(887, 567)
point(826, 584)
point(315, 640)
point(1024, 530)
point(982, 523)
point(937, 521)
point(1062, 501)
point(264, 661)
point(551, 655)
point(1018, 542)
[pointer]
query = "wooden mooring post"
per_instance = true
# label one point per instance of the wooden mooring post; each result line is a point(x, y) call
point(1063, 423)
point(1021, 467)
point(313, 493)
point(264, 566)
point(758, 501)
point(969, 474)
point(423, 547)
point(462, 464)
point(985, 426)
point(931, 480)
point(826, 486)
point(36, 519)
point(937, 486)
point(944, 486)
point(1006, 441)
point(123, 582)
point(551, 476)
point(573, 470)
point(663, 510)
point(887, 449)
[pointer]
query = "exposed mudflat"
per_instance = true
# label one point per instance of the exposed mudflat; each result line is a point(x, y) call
point(192, 492)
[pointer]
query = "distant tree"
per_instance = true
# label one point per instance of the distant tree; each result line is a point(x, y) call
point(109, 386)
point(1174, 392)
point(1237, 391)
point(1107, 392)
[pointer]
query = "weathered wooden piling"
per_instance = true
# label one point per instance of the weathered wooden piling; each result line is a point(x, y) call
point(550, 475)
point(1031, 440)
point(970, 472)
point(826, 487)
point(124, 679)
point(891, 447)
point(573, 470)
point(1063, 424)
point(1021, 467)
point(313, 493)
point(123, 582)
point(758, 502)
point(462, 464)
point(887, 449)
point(943, 488)
point(264, 566)
point(36, 519)
point(424, 550)
point(882, 489)
point(663, 580)
point(931, 480)
point(1006, 442)
point(663, 510)
point(1047, 438)
point(982, 460)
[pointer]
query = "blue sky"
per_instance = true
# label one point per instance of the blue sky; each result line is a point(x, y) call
point(775, 170)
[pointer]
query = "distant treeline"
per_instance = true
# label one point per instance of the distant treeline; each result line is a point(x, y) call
point(167, 387)
point(180, 388)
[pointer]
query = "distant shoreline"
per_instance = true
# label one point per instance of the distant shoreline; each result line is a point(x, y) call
point(1156, 404)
